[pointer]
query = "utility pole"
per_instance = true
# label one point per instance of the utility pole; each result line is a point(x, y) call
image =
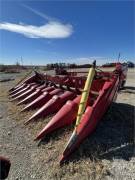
point(119, 57)
point(21, 61)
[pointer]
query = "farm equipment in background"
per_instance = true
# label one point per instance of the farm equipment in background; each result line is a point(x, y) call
point(62, 71)
point(62, 95)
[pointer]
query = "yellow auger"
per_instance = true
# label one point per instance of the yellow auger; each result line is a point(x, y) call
point(82, 106)
point(85, 94)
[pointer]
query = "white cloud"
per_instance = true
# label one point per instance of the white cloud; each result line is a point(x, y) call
point(89, 60)
point(50, 30)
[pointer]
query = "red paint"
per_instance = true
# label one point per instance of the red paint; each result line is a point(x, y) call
point(42, 99)
point(22, 90)
point(33, 96)
point(26, 93)
point(64, 116)
point(53, 105)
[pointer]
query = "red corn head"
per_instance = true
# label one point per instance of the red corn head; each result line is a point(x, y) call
point(65, 116)
point(23, 86)
point(12, 89)
point(52, 106)
point(26, 93)
point(42, 99)
point(48, 89)
point(22, 90)
point(28, 80)
point(15, 88)
point(18, 89)
point(33, 96)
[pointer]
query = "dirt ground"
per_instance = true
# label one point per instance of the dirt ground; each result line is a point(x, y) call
point(108, 153)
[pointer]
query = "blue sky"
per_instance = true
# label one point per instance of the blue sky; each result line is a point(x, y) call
point(44, 32)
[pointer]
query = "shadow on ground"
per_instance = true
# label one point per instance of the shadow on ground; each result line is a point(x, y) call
point(113, 137)
point(129, 87)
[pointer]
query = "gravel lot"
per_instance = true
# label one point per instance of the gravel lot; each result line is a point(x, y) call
point(107, 154)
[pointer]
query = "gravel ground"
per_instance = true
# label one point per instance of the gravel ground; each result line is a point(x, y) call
point(107, 154)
